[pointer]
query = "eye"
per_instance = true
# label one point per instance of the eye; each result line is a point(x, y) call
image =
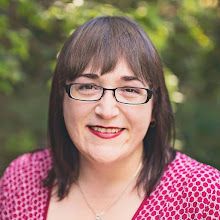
point(131, 90)
point(87, 87)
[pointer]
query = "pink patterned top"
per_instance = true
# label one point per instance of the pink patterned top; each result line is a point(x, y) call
point(187, 190)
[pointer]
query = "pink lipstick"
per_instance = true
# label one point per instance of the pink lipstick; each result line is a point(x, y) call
point(105, 132)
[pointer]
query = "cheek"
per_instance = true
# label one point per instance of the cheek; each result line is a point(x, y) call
point(140, 120)
point(72, 116)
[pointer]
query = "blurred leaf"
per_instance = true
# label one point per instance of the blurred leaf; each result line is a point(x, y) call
point(4, 3)
point(186, 34)
point(19, 44)
point(24, 141)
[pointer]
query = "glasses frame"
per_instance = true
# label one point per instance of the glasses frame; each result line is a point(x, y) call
point(149, 93)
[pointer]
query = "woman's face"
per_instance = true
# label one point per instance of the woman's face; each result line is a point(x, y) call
point(107, 131)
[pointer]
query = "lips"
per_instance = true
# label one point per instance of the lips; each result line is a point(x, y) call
point(105, 132)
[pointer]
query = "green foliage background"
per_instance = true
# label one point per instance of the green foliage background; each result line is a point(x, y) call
point(186, 33)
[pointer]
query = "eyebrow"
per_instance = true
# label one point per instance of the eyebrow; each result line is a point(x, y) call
point(124, 78)
point(130, 78)
point(89, 75)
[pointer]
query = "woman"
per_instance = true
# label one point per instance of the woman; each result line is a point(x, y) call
point(110, 132)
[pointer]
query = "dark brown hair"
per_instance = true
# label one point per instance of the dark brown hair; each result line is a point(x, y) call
point(101, 42)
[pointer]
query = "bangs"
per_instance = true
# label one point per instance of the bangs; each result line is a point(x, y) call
point(100, 44)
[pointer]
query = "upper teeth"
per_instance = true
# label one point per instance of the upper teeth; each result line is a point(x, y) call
point(107, 130)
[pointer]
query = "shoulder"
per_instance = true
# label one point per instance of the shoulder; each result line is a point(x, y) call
point(190, 174)
point(196, 186)
point(35, 164)
point(21, 186)
point(26, 168)
point(184, 167)
point(188, 189)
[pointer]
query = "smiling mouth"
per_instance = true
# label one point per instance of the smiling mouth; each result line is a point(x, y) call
point(105, 132)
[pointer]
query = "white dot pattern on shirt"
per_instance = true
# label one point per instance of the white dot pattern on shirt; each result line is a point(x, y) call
point(23, 196)
point(188, 190)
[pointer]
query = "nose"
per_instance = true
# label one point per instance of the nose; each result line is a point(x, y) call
point(107, 107)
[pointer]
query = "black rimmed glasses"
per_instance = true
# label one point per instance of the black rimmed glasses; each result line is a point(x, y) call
point(91, 92)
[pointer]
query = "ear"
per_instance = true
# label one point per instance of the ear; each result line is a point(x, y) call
point(152, 122)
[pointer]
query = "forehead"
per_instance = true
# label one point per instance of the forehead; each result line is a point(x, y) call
point(121, 73)
point(121, 68)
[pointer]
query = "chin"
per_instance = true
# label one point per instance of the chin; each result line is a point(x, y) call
point(106, 159)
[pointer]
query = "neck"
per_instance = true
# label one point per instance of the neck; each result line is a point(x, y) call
point(108, 175)
point(113, 193)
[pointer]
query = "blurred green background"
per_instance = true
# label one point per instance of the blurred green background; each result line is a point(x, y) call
point(186, 33)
